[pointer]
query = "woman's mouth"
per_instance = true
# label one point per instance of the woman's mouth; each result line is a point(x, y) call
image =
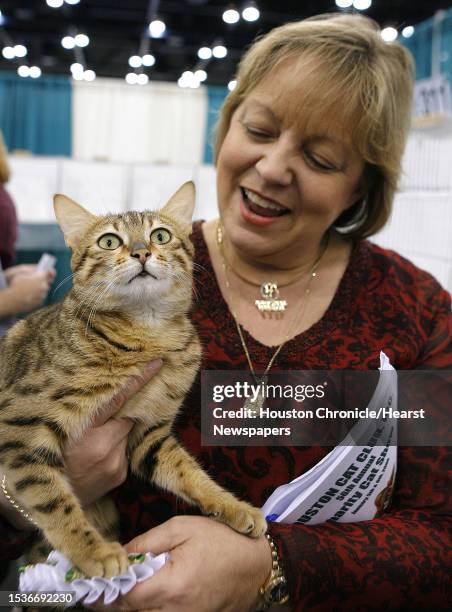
point(261, 206)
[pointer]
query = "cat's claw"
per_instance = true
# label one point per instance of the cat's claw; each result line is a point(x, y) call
point(242, 517)
point(106, 560)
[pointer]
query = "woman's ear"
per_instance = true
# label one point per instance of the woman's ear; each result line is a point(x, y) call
point(363, 186)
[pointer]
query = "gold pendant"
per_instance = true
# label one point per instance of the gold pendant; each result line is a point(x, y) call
point(254, 404)
point(270, 301)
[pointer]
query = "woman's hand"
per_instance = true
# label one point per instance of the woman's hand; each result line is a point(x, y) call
point(211, 568)
point(26, 292)
point(97, 462)
point(27, 289)
point(14, 271)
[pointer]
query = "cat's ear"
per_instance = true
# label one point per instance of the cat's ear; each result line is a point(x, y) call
point(182, 203)
point(73, 219)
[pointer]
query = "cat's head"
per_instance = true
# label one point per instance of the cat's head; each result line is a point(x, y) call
point(133, 260)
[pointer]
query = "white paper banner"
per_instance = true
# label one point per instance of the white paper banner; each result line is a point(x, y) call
point(352, 483)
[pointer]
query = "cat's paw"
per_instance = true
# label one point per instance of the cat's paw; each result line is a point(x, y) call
point(241, 516)
point(106, 560)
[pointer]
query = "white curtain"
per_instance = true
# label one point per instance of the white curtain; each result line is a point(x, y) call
point(157, 123)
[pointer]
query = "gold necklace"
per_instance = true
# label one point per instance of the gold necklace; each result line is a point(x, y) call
point(13, 502)
point(269, 290)
point(254, 405)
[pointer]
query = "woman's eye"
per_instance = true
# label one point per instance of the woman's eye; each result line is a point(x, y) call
point(257, 133)
point(319, 163)
point(110, 242)
point(160, 236)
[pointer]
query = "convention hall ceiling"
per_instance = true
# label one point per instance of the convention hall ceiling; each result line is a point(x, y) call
point(118, 29)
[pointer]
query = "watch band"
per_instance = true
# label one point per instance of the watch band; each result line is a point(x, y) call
point(274, 590)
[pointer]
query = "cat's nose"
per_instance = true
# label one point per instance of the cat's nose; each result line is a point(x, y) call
point(139, 251)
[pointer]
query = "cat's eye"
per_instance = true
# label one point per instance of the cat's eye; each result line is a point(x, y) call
point(160, 236)
point(110, 242)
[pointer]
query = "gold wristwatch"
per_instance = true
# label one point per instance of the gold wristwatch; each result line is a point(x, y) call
point(274, 590)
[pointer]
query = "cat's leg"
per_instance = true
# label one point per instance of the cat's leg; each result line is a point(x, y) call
point(104, 516)
point(158, 457)
point(36, 481)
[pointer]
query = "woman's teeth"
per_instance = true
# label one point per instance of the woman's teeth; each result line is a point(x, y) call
point(261, 205)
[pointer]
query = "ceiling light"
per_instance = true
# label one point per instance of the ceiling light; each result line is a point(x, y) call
point(81, 40)
point(201, 75)
point(142, 79)
point(186, 79)
point(389, 34)
point(35, 72)
point(55, 3)
point(72, 1)
point(344, 3)
point(219, 51)
point(408, 31)
point(2, 19)
point(231, 16)
point(8, 53)
point(135, 61)
point(68, 42)
point(23, 71)
point(148, 60)
point(205, 53)
point(89, 75)
point(132, 78)
point(20, 50)
point(77, 75)
point(232, 85)
point(157, 28)
point(251, 12)
point(76, 67)
point(362, 5)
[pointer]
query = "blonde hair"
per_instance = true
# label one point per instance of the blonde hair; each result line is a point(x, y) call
point(5, 171)
point(366, 83)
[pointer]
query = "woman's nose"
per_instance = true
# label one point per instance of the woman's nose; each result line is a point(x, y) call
point(274, 165)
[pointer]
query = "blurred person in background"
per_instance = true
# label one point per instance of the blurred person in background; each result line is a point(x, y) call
point(22, 287)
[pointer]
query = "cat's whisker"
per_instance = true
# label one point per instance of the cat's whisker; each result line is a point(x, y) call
point(183, 275)
point(92, 313)
point(197, 266)
point(84, 308)
point(92, 293)
point(65, 280)
point(92, 304)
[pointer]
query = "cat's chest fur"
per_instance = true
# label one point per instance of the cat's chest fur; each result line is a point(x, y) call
point(71, 368)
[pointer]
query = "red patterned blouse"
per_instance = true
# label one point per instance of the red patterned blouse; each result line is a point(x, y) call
point(399, 561)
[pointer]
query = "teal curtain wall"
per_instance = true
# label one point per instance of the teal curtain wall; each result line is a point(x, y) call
point(420, 45)
point(215, 96)
point(35, 114)
point(446, 45)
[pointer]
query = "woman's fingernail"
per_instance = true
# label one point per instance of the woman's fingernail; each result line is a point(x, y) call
point(154, 365)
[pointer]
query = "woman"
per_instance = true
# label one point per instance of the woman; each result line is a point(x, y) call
point(310, 141)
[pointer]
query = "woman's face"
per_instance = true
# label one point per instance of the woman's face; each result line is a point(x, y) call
point(279, 188)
